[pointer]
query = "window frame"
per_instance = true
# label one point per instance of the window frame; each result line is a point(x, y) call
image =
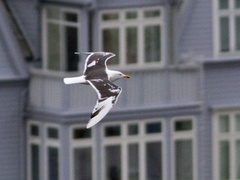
point(33, 140)
point(231, 13)
point(184, 135)
point(61, 23)
point(141, 139)
point(232, 136)
point(82, 143)
point(140, 22)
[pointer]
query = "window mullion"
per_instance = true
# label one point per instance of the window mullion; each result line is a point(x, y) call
point(142, 160)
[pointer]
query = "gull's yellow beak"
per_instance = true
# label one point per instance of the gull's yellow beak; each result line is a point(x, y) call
point(126, 76)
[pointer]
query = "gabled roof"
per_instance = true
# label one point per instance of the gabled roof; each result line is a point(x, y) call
point(12, 64)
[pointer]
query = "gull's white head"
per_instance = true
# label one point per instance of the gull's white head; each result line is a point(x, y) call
point(115, 75)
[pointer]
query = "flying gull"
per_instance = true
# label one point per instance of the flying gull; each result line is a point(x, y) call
point(97, 74)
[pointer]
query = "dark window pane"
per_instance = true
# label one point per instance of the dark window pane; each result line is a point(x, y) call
point(110, 16)
point(237, 3)
point(223, 4)
point(113, 162)
point(52, 132)
point(154, 160)
point(133, 129)
point(152, 43)
point(184, 160)
point(154, 127)
point(238, 158)
point(53, 163)
point(237, 30)
point(132, 46)
point(224, 159)
point(71, 48)
point(113, 131)
point(82, 133)
point(53, 46)
point(35, 162)
point(185, 125)
point(237, 122)
point(53, 13)
point(111, 43)
point(131, 15)
point(133, 162)
point(72, 17)
point(83, 163)
point(224, 123)
point(224, 34)
point(152, 13)
point(34, 130)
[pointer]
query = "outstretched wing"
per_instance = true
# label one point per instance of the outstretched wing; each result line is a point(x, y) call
point(108, 94)
point(96, 62)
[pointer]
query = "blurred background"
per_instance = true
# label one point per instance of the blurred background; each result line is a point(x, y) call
point(178, 117)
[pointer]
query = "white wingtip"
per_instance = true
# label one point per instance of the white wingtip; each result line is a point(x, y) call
point(103, 108)
point(89, 125)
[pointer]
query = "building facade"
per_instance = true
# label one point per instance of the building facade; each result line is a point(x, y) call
point(178, 117)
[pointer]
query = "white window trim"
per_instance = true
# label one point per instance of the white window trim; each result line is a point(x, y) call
point(31, 140)
point(141, 139)
point(216, 31)
point(191, 134)
point(82, 143)
point(48, 142)
point(44, 35)
point(216, 137)
point(135, 23)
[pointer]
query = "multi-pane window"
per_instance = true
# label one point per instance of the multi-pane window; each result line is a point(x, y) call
point(43, 151)
point(227, 145)
point(184, 149)
point(33, 151)
point(82, 153)
point(52, 152)
point(134, 35)
point(133, 151)
point(227, 22)
point(60, 38)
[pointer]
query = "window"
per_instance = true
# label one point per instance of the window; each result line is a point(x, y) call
point(82, 153)
point(33, 132)
point(43, 151)
point(134, 35)
point(60, 38)
point(227, 27)
point(133, 150)
point(52, 152)
point(226, 150)
point(184, 149)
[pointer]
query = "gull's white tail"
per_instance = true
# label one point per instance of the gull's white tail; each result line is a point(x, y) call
point(74, 80)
